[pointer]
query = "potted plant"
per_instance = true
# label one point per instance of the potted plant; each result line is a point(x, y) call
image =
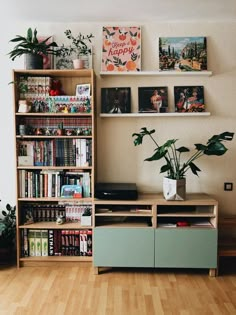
point(174, 166)
point(32, 48)
point(7, 232)
point(86, 219)
point(78, 48)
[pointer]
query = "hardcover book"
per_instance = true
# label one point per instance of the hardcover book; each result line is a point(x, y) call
point(121, 48)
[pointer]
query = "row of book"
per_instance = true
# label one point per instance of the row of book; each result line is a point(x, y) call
point(55, 152)
point(55, 242)
point(50, 212)
point(36, 86)
point(50, 183)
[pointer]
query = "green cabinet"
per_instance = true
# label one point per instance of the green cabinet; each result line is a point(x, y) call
point(186, 248)
point(123, 247)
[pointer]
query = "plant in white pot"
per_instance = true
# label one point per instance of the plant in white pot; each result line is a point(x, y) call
point(174, 166)
point(78, 48)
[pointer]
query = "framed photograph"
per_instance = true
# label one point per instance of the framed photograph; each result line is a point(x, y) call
point(116, 100)
point(183, 53)
point(82, 90)
point(71, 191)
point(65, 60)
point(189, 98)
point(153, 99)
point(121, 48)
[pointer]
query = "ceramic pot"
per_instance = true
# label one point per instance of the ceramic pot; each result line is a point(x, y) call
point(174, 189)
point(78, 63)
point(33, 61)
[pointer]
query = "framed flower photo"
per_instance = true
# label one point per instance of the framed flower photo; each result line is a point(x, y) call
point(189, 98)
point(153, 99)
point(116, 100)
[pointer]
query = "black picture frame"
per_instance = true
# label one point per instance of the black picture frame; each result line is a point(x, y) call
point(116, 100)
point(153, 99)
point(189, 98)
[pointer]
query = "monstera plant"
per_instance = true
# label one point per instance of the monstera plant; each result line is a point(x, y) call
point(174, 164)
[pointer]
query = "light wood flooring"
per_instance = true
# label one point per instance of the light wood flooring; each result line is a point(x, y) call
point(70, 289)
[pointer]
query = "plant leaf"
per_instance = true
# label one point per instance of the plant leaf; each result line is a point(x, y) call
point(194, 168)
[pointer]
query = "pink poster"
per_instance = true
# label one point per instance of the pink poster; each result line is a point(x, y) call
point(121, 48)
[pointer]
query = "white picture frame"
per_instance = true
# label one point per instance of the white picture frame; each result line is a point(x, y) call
point(82, 90)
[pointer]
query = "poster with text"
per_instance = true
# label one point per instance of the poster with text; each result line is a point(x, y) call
point(121, 49)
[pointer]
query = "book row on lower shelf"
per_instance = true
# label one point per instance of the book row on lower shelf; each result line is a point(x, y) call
point(36, 212)
point(55, 242)
point(52, 183)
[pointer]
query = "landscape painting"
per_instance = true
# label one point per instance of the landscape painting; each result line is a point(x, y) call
point(189, 98)
point(182, 53)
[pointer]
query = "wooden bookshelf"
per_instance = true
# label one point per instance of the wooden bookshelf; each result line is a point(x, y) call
point(41, 129)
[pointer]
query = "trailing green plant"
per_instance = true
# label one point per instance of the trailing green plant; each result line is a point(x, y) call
point(31, 45)
point(174, 166)
point(78, 45)
point(8, 227)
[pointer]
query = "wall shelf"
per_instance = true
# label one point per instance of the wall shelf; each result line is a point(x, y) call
point(157, 73)
point(135, 115)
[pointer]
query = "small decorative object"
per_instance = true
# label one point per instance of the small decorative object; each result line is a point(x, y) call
point(183, 53)
point(60, 130)
point(71, 191)
point(153, 99)
point(189, 98)
point(83, 90)
point(24, 106)
point(77, 54)
point(174, 166)
point(32, 48)
point(116, 100)
point(86, 218)
point(60, 219)
point(121, 48)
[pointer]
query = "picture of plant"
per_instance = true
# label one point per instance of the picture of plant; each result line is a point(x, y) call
point(153, 99)
point(116, 100)
point(189, 98)
point(183, 53)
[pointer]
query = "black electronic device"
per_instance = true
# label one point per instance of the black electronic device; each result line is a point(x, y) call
point(116, 191)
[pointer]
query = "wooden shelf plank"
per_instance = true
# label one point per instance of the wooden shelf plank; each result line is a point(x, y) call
point(157, 73)
point(172, 114)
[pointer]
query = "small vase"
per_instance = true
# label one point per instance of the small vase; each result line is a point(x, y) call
point(33, 61)
point(174, 189)
point(78, 63)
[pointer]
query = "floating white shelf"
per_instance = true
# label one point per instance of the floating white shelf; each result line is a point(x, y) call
point(157, 73)
point(131, 115)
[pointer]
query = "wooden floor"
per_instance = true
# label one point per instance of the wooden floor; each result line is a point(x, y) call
point(57, 290)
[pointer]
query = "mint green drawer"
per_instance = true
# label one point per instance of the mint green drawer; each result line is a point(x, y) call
point(123, 247)
point(186, 248)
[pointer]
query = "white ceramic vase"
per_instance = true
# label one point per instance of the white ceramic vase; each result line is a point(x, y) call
point(174, 189)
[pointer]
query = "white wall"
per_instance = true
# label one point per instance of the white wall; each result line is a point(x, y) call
point(118, 159)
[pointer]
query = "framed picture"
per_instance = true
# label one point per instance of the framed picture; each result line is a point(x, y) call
point(189, 98)
point(153, 99)
point(65, 60)
point(121, 48)
point(183, 53)
point(82, 90)
point(116, 100)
